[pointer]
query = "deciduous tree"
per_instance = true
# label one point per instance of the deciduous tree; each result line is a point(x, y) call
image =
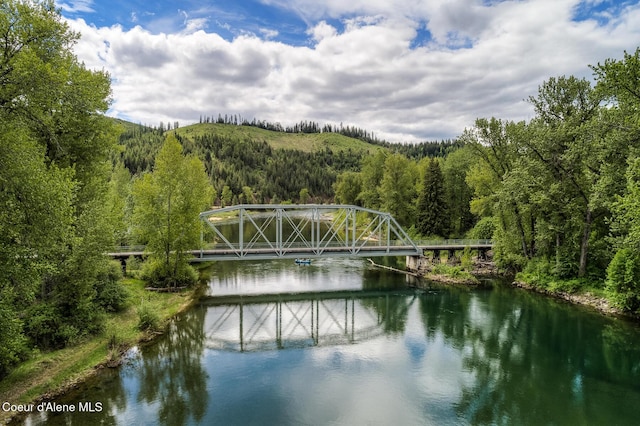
point(167, 204)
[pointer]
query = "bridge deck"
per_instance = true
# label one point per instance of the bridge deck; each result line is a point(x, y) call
point(206, 255)
point(270, 253)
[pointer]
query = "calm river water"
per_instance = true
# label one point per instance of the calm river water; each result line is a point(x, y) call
point(341, 343)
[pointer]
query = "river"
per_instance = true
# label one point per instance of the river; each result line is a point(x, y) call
point(342, 343)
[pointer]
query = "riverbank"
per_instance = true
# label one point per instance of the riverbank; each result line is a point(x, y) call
point(49, 374)
point(584, 298)
point(456, 274)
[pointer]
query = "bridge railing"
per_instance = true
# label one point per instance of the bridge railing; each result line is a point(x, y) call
point(128, 249)
point(329, 244)
point(455, 242)
point(299, 245)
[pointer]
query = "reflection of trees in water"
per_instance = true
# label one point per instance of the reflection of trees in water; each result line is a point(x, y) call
point(391, 311)
point(171, 372)
point(535, 361)
point(107, 388)
point(378, 279)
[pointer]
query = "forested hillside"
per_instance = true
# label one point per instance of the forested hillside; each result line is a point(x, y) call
point(265, 163)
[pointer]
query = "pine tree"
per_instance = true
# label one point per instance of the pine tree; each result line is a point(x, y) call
point(433, 217)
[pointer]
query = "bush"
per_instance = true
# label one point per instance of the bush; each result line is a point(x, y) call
point(623, 281)
point(111, 294)
point(484, 229)
point(160, 274)
point(114, 297)
point(13, 344)
point(42, 321)
point(149, 320)
point(456, 272)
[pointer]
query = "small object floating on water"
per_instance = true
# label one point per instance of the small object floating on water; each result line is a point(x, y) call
point(303, 261)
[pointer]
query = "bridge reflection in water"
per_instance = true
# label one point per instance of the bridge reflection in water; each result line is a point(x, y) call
point(297, 320)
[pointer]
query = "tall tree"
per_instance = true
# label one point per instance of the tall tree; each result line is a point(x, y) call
point(397, 188)
point(432, 215)
point(55, 142)
point(372, 173)
point(566, 144)
point(458, 196)
point(495, 143)
point(348, 187)
point(167, 204)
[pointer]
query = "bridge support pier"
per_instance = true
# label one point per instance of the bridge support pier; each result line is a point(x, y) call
point(415, 263)
point(123, 265)
point(482, 254)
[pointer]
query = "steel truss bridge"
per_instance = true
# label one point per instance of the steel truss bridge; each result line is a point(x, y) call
point(275, 231)
point(268, 231)
point(282, 321)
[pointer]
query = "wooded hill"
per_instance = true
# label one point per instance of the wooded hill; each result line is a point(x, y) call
point(247, 163)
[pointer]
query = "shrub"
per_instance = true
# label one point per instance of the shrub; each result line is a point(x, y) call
point(110, 293)
point(484, 229)
point(623, 280)
point(42, 320)
point(149, 320)
point(13, 344)
point(160, 274)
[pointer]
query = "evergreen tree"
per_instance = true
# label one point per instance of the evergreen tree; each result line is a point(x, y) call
point(432, 215)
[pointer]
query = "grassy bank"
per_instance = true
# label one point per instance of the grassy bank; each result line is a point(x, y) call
point(48, 374)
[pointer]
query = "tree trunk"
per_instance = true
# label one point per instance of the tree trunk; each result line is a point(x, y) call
point(584, 245)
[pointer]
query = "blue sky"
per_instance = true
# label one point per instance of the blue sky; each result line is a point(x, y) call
point(408, 70)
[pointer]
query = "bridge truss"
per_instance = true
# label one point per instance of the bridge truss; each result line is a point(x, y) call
point(268, 231)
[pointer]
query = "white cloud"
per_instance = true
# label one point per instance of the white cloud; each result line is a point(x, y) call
point(75, 6)
point(480, 61)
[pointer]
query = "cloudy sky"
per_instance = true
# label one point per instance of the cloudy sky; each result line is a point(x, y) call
point(408, 70)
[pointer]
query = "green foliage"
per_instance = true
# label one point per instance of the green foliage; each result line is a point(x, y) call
point(458, 193)
point(457, 272)
point(397, 188)
point(54, 143)
point(347, 188)
point(13, 343)
point(372, 172)
point(174, 273)
point(623, 280)
point(42, 325)
point(166, 213)
point(466, 260)
point(484, 229)
point(432, 212)
point(542, 273)
point(149, 320)
point(111, 295)
point(133, 264)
